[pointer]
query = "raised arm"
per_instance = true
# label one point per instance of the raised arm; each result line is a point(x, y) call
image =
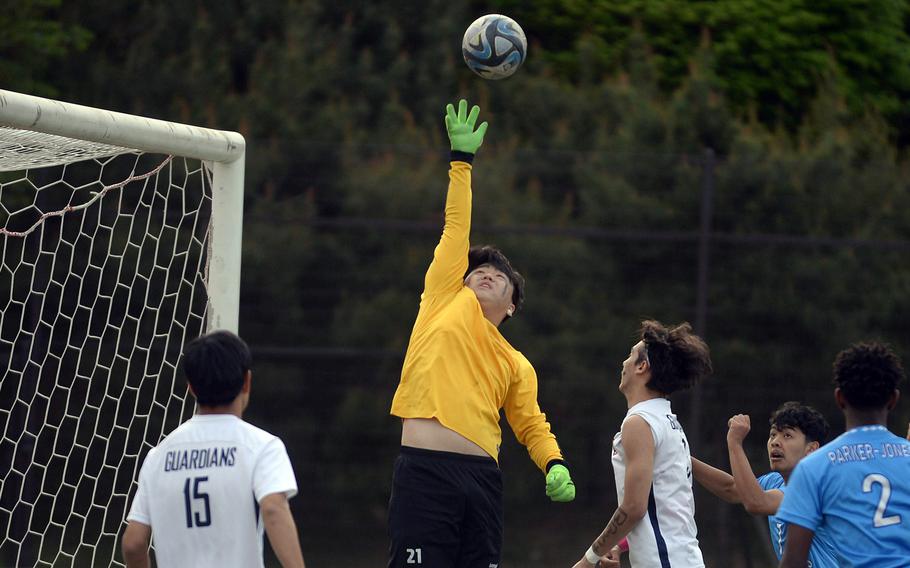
point(718, 482)
point(450, 259)
point(638, 443)
point(755, 499)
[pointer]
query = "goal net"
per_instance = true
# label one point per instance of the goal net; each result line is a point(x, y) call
point(121, 241)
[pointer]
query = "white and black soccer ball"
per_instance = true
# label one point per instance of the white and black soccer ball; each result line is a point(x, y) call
point(494, 46)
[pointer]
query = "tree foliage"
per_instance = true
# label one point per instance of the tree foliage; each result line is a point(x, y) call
point(770, 56)
point(34, 41)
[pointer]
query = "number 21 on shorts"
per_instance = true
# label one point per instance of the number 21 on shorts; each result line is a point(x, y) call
point(415, 556)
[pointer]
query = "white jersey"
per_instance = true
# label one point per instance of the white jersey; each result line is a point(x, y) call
point(200, 488)
point(667, 536)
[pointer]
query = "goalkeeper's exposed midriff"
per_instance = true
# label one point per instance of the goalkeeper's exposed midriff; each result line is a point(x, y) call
point(429, 434)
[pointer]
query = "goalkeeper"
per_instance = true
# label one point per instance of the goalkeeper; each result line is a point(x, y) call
point(459, 371)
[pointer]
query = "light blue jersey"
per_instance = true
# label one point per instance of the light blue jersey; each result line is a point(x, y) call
point(821, 553)
point(856, 488)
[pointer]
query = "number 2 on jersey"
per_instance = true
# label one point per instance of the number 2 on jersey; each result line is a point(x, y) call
point(880, 520)
point(202, 520)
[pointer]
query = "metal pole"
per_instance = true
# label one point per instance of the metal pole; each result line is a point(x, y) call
point(225, 240)
point(701, 291)
point(37, 114)
point(701, 321)
point(704, 238)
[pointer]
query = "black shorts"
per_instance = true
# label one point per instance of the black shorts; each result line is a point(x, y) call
point(445, 511)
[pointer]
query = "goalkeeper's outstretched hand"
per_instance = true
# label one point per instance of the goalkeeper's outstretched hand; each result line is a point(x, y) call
point(460, 127)
point(559, 484)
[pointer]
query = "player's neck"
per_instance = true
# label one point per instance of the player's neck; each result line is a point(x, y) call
point(493, 315)
point(855, 418)
point(640, 394)
point(234, 408)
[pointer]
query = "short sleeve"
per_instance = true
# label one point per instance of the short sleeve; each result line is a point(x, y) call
point(772, 480)
point(802, 504)
point(273, 472)
point(139, 511)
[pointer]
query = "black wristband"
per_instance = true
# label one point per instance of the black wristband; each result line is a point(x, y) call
point(551, 463)
point(459, 156)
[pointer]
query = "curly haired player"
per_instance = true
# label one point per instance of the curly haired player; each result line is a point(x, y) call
point(855, 487)
point(651, 461)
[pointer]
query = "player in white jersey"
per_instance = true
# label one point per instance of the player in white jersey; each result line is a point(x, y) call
point(211, 487)
point(855, 487)
point(651, 460)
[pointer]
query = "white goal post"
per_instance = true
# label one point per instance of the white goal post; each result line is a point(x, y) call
point(121, 241)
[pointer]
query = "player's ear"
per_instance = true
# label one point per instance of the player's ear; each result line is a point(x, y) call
point(247, 382)
point(839, 398)
point(811, 447)
point(892, 401)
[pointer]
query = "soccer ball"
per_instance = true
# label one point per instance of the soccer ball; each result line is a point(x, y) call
point(494, 46)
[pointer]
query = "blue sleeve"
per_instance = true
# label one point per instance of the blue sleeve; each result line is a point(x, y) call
point(802, 502)
point(772, 480)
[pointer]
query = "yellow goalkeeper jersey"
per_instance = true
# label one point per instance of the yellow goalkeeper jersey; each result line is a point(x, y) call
point(458, 368)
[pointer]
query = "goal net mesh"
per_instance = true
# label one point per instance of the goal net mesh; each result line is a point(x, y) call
point(103, 280)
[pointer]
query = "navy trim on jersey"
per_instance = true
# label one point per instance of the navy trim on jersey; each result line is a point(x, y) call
point(659, 538)
point(256, 509)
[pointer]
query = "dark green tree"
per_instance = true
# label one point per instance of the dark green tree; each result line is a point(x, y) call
point(35, 40)
point(770, 56)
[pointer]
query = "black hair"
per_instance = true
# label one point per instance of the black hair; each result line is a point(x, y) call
point(802, 417)
point(486, 254)
point(215, 365)
point(678, 358)
point(867, 374)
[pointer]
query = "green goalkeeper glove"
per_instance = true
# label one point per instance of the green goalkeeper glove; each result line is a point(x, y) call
point(559, 484)
point(461, 128)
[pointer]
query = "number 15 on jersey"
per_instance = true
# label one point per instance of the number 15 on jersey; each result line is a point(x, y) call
point(197, 514)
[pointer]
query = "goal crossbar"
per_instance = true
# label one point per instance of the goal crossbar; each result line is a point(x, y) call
point(80, 122)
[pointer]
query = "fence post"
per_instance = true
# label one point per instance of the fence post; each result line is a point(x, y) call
point(696, 407)
point(701, 290)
